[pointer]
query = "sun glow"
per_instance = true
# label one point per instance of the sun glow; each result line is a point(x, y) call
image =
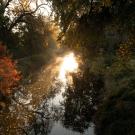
point(69, 65)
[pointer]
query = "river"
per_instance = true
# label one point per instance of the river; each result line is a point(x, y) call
point(45, 107)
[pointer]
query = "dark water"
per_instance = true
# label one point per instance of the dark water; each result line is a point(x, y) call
point(47, 107)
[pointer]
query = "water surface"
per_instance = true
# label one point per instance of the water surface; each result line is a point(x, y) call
point(47, 107)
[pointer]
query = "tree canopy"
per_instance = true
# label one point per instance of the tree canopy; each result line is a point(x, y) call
point(18, 21)
point(103, 32)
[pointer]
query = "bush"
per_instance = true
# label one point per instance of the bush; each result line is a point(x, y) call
point(9, 76)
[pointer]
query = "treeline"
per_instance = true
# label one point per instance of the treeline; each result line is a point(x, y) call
point(103, 31)
point(23, 30)
point(26, 39)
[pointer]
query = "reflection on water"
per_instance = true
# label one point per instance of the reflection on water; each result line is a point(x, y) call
point(63, 113)
point(61, 130)
point(50, 106)
point(68, 65)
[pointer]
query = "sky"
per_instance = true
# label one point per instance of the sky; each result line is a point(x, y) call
point(45, 9)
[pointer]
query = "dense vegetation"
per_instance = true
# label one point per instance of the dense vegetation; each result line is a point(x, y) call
point(103, 31)
point(26, 35)
point(9, 76)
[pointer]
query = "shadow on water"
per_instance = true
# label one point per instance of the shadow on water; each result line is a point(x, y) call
point(53, 108)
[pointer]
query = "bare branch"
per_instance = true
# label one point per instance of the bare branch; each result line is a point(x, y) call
point(7, 3)
point(39, 6)
point(4, 5)
point(91, 6)
point(25, 13)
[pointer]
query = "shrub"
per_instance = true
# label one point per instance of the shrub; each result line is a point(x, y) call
point(9, 76)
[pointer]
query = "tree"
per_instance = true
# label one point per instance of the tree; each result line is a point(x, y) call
point(102, 31)
point(9, 76)
point(33, 36)
point(18, 21)
point(15, 11)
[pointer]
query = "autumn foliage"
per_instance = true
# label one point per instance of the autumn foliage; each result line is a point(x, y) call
point(9, 76)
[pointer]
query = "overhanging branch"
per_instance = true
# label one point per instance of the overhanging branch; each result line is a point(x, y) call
point(23, 14)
